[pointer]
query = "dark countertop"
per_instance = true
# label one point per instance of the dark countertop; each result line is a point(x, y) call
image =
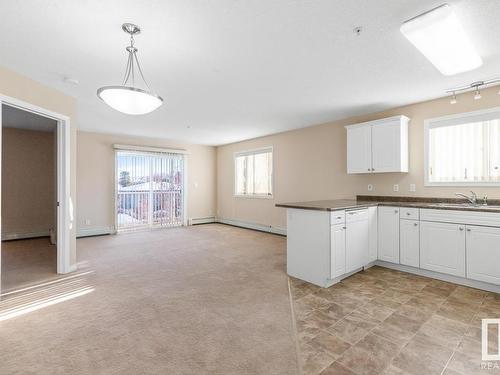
point(367, 201)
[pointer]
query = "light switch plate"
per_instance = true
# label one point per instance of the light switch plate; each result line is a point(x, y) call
point(370, 187)
point(395, 187)
point(413, 188)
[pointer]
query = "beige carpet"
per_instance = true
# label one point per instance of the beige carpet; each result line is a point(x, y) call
point(198, 300)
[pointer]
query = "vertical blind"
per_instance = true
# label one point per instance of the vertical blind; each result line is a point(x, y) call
point(254, 173)
point(149, 189)
point(467, 152)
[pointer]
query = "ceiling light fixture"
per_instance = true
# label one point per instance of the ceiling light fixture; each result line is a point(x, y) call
point(439, 35)
point(127, 97)
point(476, 86)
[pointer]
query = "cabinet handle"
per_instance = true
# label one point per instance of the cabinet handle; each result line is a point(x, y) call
point(369, 169)
point(344, 227)
point(461, 228)
point(339, 217)
point(408, 214)
point(415, 224)
point(469, 230)
point(396, 211)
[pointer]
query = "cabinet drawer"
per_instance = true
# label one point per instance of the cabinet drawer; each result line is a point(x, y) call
point(337, 217)
point(356, 215)
point(409, 213)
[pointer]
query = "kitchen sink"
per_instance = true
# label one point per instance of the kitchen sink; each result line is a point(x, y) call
point(466, 205)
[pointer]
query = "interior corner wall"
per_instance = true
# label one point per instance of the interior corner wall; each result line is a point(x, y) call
point(17, 86)
point(29, 183)
point(310, 164)
point(96, 179)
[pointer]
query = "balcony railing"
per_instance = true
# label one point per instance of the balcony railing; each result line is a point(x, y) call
point(144, 209)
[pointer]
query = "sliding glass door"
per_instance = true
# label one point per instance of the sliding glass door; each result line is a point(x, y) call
point(149, 190)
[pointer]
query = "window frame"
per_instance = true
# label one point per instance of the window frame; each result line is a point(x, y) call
point(450, 120)
point(254, 151)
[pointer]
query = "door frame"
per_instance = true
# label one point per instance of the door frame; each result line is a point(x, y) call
point(65, 208)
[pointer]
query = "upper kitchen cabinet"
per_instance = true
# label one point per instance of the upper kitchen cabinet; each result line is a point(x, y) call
point(378, 146)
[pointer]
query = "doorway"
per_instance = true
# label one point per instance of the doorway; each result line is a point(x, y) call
point(29, 197)
point(47, 220)
point(150, 190)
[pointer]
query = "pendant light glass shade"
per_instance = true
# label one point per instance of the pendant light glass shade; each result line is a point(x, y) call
point(127, 98)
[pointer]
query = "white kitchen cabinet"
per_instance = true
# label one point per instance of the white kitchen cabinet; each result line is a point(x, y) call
point(378, 146)
point(388, 234)
point(409, 245)
point(356, 239)
point(442, 247)
point(483, 253)
point(359, 150)
point(372, 234)
point(337, 250)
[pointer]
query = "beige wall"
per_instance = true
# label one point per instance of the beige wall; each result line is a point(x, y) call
point(310, 163)
point(28, 181)
point(20, 87)
point(96, 173)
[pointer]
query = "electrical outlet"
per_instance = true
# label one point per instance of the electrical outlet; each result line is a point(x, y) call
point(413, 188)
point(395, 187)
point(370, 187)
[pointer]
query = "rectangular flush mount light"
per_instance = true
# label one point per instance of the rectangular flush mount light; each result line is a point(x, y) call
point(441, 38)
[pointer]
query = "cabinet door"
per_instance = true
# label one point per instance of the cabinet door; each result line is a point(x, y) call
point(442, 247)
point(409, 245)
point(337, 251)
point(483, 252)
point(372, 234)
point(387, 148)
point(388, 234)
point(356, 244)
point(359, 151)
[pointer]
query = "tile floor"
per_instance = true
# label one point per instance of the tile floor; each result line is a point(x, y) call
point(382, 321)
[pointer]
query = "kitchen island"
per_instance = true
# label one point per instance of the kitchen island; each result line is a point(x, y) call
point(447, 239)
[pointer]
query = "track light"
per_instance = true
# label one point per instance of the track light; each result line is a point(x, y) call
point(477, 95)
point(473, 86)
point(453, 99)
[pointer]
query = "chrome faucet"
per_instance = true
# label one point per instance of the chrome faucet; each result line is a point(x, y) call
point(472, 199)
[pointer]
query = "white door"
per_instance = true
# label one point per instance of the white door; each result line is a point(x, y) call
point(388, 234)
point(442, 247)
point(386, 147)
point(483, 254)
point(409, 249)
point(372, 234)
point(356, 240)
point(337, 250)
point(359, 151)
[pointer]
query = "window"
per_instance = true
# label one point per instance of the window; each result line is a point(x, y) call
point(463, 150)
point(254, 173)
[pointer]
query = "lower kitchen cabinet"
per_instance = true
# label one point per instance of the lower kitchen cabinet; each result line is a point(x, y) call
point(409, 246)
point(483, 253)
point(337, 250)
point(388, 234)
point(442, 247)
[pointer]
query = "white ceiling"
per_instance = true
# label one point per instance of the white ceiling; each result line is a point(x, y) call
point(230, 70)
point(17, 118)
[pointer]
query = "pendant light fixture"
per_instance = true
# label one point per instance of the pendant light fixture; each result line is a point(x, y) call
point(127, 97)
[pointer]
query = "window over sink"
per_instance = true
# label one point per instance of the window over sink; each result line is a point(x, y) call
point(253, 173)
point(463, 149)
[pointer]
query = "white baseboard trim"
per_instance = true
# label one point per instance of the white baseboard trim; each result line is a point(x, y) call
point(254, 226)
point(441, 276)
point(19, 236)
point(201, 220)
point(99, 231)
